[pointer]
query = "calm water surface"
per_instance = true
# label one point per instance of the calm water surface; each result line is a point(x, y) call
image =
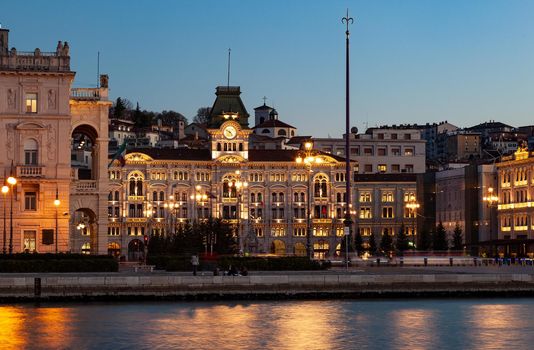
point(333, 324)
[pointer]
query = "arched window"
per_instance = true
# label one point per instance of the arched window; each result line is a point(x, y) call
point(110, 196)
point(282, 132)
point(135, 184)
point(260, 197)
point(240, 147)
point(320, 186)
point(265, 131)
point(162, 196)
point(229, 190)
point(274, 197)
point(219, 147)
point(30, 152)
point(295, 197)
point(302, 199)
point(281, 196)
point(154, 196)
point(253, 197)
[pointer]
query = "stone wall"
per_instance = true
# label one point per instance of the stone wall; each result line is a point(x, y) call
point(110, 286)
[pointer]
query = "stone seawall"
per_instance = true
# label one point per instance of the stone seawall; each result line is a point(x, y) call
point(27, 288)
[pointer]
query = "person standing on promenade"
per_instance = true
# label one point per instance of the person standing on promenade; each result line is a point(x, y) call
point(195, 263)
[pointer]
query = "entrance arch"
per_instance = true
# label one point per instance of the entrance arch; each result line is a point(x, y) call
point(85, 230)
point(114, 249)
point(84, 154)
point(278, 247)
point(299, 249)
point(136, 250)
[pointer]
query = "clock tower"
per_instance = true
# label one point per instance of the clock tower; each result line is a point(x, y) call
point(229, 142)
point(228, 126)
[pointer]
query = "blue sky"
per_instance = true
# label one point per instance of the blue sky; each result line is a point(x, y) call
point(411, 61)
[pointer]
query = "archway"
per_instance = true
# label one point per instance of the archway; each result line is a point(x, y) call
point(299, 249)
point(85, 229)
point(136, 250)
point(278, 247)
point(114, 249)
point(84, 155)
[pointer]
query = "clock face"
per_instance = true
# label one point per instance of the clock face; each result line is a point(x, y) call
point(230, 132)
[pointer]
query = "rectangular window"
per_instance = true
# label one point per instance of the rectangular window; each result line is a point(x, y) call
point(408, 151)
point(365, 196)
point(30, 157)
point(368, 151)
point(31, 103)
point(365, 213)
point(30, 201)
point(48, 236)
point(407, 136)
point(382, 168)
point(395, 151)
point(368, 168)
point(29, 240)
point(393, 136)
point(387, 212)
point(395, 168)
point(382, 152)
point(409, 168)
point(365, 231)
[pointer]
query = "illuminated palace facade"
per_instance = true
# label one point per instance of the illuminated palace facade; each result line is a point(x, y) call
point(515, 208)
point(264, 193)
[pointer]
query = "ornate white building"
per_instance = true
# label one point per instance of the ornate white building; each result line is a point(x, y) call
point(264, 193)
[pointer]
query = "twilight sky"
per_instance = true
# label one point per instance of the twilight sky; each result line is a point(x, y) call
point(411, 61)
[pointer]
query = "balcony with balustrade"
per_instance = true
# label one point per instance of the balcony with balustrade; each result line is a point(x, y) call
point(29, 171)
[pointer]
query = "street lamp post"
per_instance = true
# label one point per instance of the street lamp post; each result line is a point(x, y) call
point(56, 204)
point(5, 189)
point(308, 156)
point(412, 205)
point(491, 199)
point(12, 181)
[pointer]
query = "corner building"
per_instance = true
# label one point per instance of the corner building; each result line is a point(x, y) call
point(41, 118)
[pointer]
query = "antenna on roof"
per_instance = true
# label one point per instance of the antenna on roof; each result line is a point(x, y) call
point(228, 79)
point(98, 70)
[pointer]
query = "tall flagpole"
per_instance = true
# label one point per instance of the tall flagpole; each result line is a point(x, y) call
point(348, 222)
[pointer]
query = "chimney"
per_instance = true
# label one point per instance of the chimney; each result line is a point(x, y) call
point(4, 41)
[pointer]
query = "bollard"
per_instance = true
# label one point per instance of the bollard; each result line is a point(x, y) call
point(425, 260)
point(401, 262)
point(37, 287)
point(378, 262)
point(450, 262)
point(475, 261)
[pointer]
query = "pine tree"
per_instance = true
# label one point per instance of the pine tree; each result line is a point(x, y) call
point(440, 238)
point(386, 243)
point(457, 238)
point(118, 109)
point(372, 245)
point(402, 243)
point(425, 241)
point(358, 243)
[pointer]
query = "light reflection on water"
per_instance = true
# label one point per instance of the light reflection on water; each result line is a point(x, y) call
point(333, 324)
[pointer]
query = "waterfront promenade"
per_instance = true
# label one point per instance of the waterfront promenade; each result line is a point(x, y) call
point(357, 282)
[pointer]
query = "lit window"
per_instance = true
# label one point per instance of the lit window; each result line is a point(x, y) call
point(382, 168)
point(31, 103)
